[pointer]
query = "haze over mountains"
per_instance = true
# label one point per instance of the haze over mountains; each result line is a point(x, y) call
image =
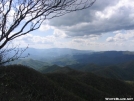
point(61, 56)
point(65, 56)
point(53, 52)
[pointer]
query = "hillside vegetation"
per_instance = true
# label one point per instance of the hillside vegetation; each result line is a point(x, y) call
point(21, 83)
point(124, 71)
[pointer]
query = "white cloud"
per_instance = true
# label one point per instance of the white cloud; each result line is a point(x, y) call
point(121, 37)
point(44, 27)
point(59, 34)
point(35, 41)
point(110, 39)
point(84, 43)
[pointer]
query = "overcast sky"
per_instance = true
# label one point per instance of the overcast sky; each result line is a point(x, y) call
point(107, 25)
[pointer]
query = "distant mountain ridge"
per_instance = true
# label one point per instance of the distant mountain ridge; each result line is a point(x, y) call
point(105, 58)
point(53, 52)
point(65, 56)
point(57, 55)
point(35, 64)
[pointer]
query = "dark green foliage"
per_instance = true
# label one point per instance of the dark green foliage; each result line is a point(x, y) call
point(50, 69)
point(115, 88)
point(86, 67)
point(55, 68)
point(124, 71)
point(20, 83)
point(35, 64)
point(104, 58)
point(77, 87)
point(95, 86)
point(112, 72)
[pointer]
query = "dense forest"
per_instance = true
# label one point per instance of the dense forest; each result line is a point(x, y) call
point(21, 83)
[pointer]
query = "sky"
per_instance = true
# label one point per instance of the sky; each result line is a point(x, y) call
point(107, 25)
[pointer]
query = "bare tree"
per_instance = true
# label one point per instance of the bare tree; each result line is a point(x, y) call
point(11, 54)
point(19, 17)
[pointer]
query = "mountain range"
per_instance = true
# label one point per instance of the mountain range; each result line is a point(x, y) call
point(68, 75)
point(63, 57)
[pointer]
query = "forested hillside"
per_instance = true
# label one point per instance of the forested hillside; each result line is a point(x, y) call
point(21, 83)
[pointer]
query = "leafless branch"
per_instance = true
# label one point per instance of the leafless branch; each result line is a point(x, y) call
point(10, 54)
point(19, 17)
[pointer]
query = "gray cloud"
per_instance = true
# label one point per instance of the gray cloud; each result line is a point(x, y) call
point(87, 15)
point(103, 16)
point(100, 5)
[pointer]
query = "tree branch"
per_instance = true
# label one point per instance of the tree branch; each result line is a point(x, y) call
point(25, 16)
